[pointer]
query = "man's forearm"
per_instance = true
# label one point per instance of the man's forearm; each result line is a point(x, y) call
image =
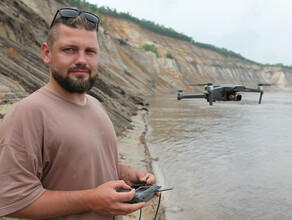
point(103, 200)
point(56, 203)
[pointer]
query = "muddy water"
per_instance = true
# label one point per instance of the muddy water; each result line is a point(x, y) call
point(232, 160)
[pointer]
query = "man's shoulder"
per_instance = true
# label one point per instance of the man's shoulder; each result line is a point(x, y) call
point(95, 101)
point(30, 105)
point(34, 100)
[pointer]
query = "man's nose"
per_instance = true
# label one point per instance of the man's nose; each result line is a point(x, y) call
point(81, 58)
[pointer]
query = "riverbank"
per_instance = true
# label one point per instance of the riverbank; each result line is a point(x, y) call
point(133, 152)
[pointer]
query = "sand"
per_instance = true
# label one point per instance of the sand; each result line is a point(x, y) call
point(134, 153)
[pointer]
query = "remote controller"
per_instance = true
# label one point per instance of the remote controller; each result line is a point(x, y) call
point(144, 192)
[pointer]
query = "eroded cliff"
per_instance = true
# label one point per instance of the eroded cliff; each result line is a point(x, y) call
point(126, 71)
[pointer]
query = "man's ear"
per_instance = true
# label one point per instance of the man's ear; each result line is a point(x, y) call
point(46, 53)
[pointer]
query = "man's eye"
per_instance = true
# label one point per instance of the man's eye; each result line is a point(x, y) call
point(91, 51)
point(68, 49)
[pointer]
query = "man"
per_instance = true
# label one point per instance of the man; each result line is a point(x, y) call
point(58, 149)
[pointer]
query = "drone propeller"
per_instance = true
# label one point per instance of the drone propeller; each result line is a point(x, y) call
point(201, 84)
point(266, 84)
point(175, 90)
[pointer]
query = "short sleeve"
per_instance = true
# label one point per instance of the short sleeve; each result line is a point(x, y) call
point(20, 159)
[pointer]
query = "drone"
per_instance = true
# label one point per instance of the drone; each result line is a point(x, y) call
point(222, 92)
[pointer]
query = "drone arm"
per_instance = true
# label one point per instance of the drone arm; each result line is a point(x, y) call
point(260, 90)
point(251, 90)
point(191, 96)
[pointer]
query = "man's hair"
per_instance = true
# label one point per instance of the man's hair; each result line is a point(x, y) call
point(78, 22)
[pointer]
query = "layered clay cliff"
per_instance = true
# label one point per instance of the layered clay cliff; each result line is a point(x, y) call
point(127, 73)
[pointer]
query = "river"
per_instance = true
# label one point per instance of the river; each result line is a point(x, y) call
point(232, 160)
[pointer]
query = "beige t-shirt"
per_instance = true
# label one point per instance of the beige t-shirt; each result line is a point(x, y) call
point(48, 142)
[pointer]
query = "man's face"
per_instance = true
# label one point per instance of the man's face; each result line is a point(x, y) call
point(74, 59)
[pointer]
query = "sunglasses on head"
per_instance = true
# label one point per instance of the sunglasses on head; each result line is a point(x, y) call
point(74, 13)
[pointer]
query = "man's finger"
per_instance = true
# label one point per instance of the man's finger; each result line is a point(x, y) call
point(126, 195)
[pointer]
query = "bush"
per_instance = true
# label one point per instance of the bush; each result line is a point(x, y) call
point(168, 55)
point(151, 47)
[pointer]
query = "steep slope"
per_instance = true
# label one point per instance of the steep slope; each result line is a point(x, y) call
point(189, 63)
point(126, 71)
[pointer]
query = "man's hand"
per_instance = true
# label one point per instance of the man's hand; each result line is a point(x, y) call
point(146, 177)
point(131, 176)
point(105, 199)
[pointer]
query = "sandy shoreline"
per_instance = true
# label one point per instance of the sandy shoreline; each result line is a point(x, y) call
point(133, 152)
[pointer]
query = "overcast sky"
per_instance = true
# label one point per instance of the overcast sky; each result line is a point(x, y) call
point(259, 30)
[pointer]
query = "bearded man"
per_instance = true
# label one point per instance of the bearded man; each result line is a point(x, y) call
point(58, 147)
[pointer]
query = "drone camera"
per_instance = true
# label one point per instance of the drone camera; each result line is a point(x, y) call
point(234, 97)
point(238, 97)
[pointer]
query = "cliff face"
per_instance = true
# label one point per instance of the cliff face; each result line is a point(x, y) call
point(23, 28)
point(190, 64)
point(126, 71)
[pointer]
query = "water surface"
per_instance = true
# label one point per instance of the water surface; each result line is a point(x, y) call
point(232, 160)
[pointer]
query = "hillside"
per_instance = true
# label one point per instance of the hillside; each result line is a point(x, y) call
point(127, 72)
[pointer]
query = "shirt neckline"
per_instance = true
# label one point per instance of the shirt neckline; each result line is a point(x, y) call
point(57, 95)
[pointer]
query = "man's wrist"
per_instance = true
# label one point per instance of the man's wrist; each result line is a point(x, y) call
point(55, 204)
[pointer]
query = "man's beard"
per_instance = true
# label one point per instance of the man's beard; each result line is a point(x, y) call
point(74, 86)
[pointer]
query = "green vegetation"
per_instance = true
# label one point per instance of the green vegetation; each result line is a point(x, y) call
point(151, 47)
point(81, 4)
point(160, 29)
point(168, 55)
